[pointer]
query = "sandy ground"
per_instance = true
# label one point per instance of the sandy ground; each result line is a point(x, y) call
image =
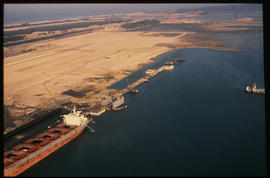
point(37, 74)
point(38, 78)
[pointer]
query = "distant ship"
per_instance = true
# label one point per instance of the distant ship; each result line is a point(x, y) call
point(170, 63)
point(24, 156)
point(254, 89)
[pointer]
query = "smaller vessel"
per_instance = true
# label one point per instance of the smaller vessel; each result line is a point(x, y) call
point(170, 63)
point(254, 89)
point(132, 90)
point(120, 108)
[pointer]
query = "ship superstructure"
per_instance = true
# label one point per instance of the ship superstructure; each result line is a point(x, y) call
point(254, 89)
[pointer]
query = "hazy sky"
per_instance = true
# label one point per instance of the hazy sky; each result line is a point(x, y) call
point(32, 12)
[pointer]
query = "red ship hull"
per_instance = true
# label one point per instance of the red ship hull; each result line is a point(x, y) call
point(34, 157)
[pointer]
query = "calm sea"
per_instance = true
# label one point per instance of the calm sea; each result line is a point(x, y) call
point(192, 121)
point(22, 13)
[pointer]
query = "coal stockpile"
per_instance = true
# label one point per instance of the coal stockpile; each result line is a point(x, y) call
point(8, 119)
point(37, 119)
point(74, 93)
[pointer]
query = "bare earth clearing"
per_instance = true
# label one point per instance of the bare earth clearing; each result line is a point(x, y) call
point(35, 78)
point(88, 62)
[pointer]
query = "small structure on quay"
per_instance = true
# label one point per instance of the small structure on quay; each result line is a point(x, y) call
point(97, 110)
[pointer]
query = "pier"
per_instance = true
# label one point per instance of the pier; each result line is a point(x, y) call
point(149, 74)
point(106, 100)
point(106, 104)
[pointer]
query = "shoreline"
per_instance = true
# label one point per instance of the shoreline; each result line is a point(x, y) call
point(153, 60)
point(89, 63)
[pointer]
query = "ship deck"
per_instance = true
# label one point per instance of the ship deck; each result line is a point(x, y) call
point(23, 156)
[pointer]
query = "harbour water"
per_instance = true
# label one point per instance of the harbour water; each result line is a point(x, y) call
point(25, 13)
point(195, 120)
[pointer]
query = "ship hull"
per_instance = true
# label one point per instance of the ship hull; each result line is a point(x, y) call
point(33, 158)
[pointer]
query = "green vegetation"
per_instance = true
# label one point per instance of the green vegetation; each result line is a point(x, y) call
point(13, 38)
point(44, 23)
point(18, 34)
point(16, 26)
point(155, 25)
point(141, 24)
point(57, 27)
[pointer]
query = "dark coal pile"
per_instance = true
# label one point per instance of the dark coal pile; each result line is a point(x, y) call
point(73, 93)
point(8, 119)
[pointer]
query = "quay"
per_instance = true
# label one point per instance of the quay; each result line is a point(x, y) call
point(112, 102)
point(149, 74)
point(30, 151)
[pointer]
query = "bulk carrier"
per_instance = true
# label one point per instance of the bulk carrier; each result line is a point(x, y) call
point(23, 156)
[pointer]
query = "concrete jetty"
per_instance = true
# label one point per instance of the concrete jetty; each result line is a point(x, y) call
point(149, 74)
point(99, 108)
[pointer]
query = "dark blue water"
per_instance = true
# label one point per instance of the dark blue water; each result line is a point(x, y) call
point(249, 26)
point(192, 121)
point(22, 13)
point(256, 14)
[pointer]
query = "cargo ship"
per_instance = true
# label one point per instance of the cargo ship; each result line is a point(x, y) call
point(24, 156)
